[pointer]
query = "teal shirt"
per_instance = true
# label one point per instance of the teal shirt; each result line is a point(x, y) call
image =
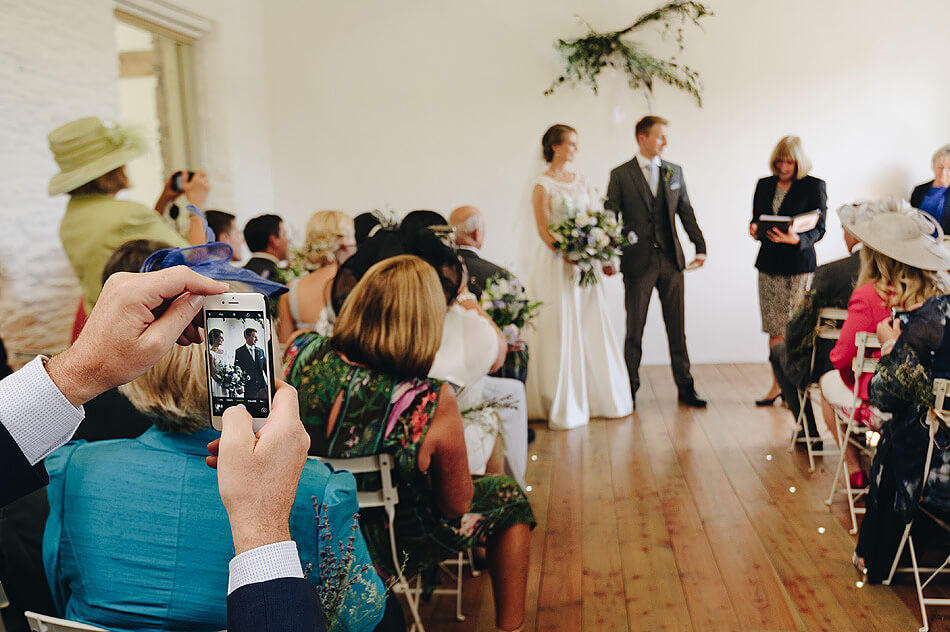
point(138, 539)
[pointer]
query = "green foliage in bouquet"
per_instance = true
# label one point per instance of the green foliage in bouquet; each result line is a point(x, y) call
point(507, 302)
point(587, 56)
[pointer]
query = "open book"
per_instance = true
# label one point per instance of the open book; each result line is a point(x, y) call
point(801, 223)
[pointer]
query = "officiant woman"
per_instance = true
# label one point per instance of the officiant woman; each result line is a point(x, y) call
point(786, 259)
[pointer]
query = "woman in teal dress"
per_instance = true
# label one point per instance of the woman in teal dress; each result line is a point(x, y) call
point(364, 392)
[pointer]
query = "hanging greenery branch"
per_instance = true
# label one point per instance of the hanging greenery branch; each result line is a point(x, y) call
point(587, 56)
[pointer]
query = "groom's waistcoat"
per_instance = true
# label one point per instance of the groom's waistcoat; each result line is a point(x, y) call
point(660, 231)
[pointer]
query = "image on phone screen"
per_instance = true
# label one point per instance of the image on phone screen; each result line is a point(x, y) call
point(238, 361)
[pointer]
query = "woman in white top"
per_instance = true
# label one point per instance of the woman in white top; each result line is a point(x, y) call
point(576, 368)
point(330, 242)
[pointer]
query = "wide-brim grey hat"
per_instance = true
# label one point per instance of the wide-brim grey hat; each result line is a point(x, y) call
point(899, 231)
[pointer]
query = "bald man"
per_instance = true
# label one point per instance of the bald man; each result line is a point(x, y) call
point(469, 225)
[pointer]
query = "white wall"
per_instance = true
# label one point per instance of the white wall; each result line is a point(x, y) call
point(431, 105)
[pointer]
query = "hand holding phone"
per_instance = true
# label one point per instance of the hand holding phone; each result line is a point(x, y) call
point(239, 355)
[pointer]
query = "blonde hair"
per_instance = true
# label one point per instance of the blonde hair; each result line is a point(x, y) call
point(325, 231)
point(174, 391)
point(392, 320)
point(790, 148)
point(941, 154)
point(900, 285)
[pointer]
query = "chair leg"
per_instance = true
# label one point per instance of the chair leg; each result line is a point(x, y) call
point(802, 395)
point(920, 590)
point(847, 481)
point(897, 558)
point(458, 595)
point(471, 563)
point(412, 598)
point(842, 446)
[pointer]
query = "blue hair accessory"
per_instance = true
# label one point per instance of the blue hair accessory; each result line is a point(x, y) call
point(212, 260)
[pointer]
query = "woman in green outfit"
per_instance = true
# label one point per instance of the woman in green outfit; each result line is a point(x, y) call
point(364, 391)
point(92, 159)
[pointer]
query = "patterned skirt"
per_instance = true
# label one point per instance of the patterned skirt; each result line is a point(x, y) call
point(779, 297)
point(423, 538)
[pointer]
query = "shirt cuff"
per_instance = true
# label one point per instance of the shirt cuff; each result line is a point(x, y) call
point(264, 563)
point(35, 413)
point(701, 256)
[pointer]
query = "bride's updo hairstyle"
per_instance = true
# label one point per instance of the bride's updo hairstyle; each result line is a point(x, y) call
point(555, 135)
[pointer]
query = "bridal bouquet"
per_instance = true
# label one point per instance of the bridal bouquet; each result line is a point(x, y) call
point(589, 238)
point(230, 377)
point(506, 302)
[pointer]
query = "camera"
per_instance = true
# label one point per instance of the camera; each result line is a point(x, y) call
point(177, 182)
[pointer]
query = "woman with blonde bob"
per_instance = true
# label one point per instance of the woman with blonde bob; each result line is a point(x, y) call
point(786, 259)
point(902, 265)
point(138, 539)
point(365, 391)
point(330, 241)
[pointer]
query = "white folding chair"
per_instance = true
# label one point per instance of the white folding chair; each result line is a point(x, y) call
point(866, 344)
point(388, 497)
point(4, 603)
point(43, 623)
point(828, 328)
point(938, 416)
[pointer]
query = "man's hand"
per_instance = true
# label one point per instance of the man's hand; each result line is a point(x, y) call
point(196, 189)
point(780, 237)
point(696, 263)
point(258, 474)
point(135, 322)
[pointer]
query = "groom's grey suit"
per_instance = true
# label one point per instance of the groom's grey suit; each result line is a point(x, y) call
point(656, 260)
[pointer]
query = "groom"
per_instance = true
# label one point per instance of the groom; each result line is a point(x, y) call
point(648, 193)
point(251, 360)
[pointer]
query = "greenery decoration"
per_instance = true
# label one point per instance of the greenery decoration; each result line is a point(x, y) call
point(587, 56)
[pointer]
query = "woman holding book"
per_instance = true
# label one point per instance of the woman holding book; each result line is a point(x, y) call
point(788, 217)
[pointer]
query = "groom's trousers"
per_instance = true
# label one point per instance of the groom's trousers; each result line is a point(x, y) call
point(662, 273)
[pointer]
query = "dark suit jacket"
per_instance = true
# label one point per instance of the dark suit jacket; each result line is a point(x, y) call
point(265, 268)
point(917, 198)
point(17, 477)
point(256, 368)
point(629, 195)
point(280, 605)
point(480, 270)
point(807, 194)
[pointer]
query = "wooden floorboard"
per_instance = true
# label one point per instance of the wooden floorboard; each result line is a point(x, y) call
point(687, 520)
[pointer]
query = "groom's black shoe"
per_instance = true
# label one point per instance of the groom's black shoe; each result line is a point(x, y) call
point(690, 398)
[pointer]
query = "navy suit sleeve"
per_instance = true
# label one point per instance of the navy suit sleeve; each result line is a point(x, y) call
point(614, 201)
point(17, 477)
point(820, 200)
point(280, 605)
point(685, 210)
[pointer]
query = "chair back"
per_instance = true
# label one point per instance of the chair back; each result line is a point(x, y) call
point(43, 623)
point(830, 320)
point(382, 464)
point(867, 343)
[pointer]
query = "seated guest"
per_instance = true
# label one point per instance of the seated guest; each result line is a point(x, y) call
point(931, 197)
point(913, 355)
point(831, 287)
point(365, 225)
point(901, 268)
point(92, 162)
point(330, 242)
point(226, 230)
point(364, 391)
point(266, 236)
point(138, 539)
point(469, 225)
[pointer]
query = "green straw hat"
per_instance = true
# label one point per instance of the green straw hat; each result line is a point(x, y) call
point(86, 149)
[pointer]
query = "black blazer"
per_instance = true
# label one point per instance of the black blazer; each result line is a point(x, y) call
point(265, 268)
point(917, 198)
point(255, 368)
point(807, 194)
point(17, 477)
point(289, 604)
point(629, 195)
point(480, 270)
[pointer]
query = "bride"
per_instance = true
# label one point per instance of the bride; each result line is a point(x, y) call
point(216, 340)
point(577, 369)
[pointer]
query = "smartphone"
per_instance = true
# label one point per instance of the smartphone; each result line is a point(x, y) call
point(239, 355)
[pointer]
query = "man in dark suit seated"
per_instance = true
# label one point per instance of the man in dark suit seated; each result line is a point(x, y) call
point(831, 287)
point(469, 225)
point(267, 238)
point(250, 359)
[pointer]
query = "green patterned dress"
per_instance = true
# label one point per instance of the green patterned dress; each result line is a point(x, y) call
point(380, 414)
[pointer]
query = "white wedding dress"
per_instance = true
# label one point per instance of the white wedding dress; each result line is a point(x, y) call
point(217, 358)
point(576, 369)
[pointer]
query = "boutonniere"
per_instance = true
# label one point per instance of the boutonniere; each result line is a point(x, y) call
point(667, 174)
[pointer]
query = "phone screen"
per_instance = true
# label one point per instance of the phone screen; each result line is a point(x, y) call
point(239, 361)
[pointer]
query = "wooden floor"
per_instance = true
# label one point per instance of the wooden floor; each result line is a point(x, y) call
point(675, 519)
